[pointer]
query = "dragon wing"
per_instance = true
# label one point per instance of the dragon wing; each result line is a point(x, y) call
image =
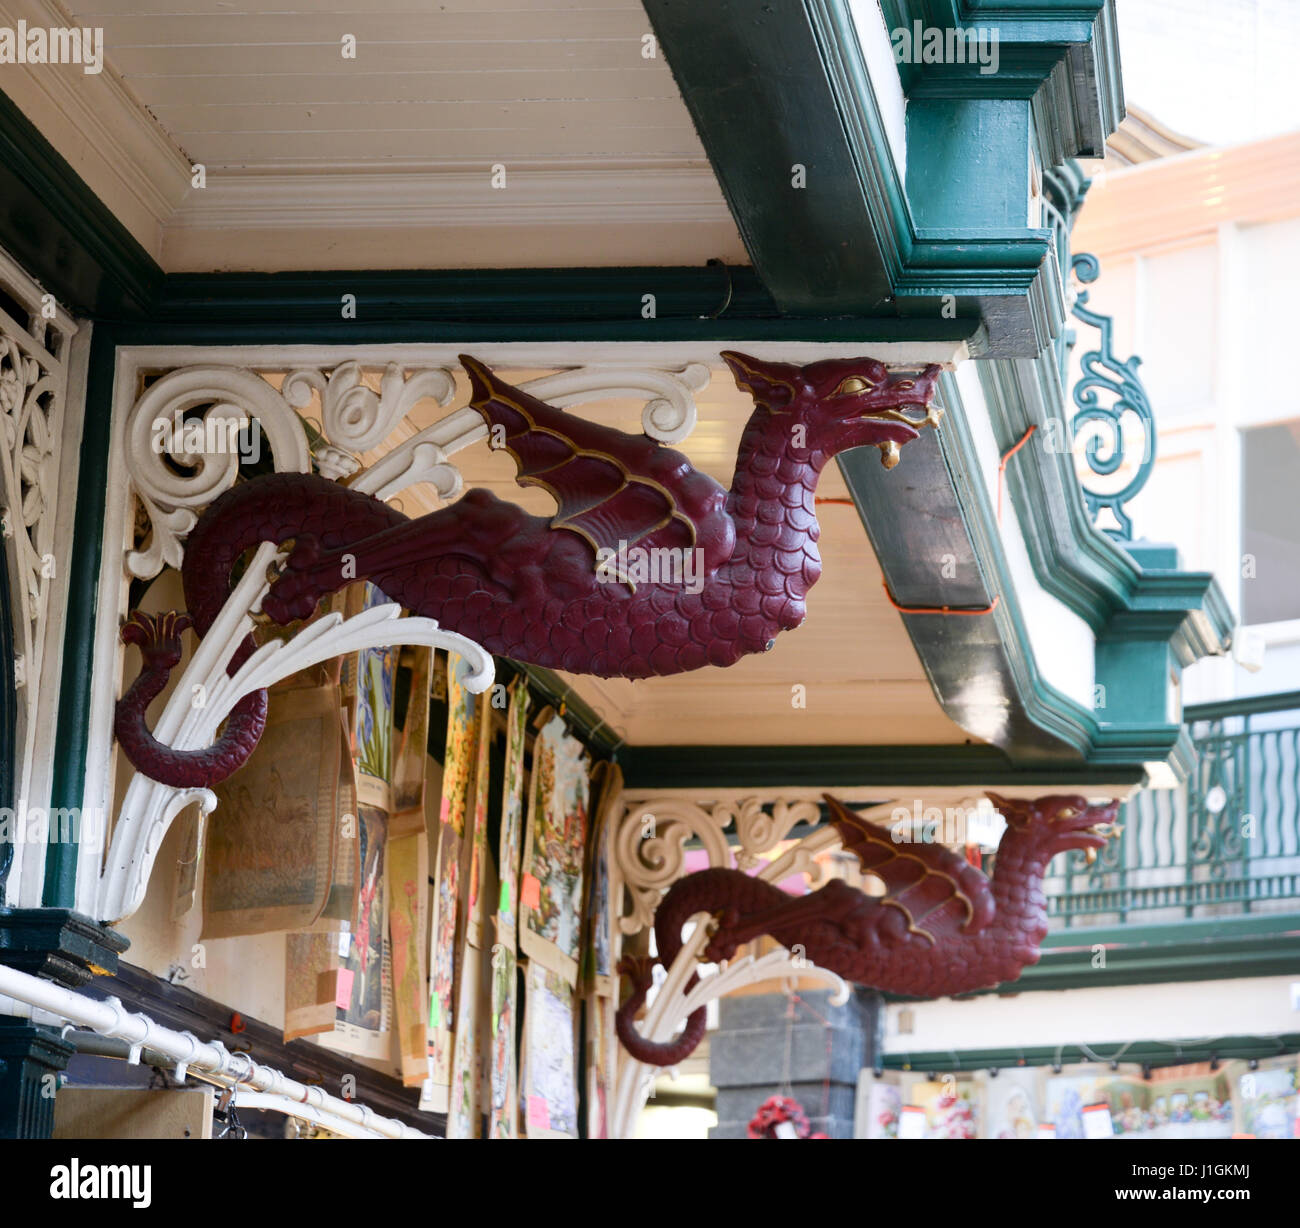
point(937, 891)
point(611, 488)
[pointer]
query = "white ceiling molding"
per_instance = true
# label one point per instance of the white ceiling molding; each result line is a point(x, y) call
point(93, 121)
point(588, 213)
point(539, 195)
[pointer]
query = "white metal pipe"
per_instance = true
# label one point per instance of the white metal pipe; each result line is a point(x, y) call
point(111, 1018)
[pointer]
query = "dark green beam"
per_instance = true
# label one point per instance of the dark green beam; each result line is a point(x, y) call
point(61, 232)
point(767, 767)
point(758, 87)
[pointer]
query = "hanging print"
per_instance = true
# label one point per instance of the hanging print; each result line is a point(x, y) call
point(408, 893)
point(550, 892)
point(503, 1082)
point(376, 670)
point(476, 882)
point(549, 1078)
point(446, 903)
point(273, 837)
point(364, 985)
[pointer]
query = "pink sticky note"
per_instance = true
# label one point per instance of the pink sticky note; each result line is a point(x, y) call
point(343, 993)
point(538, 1114)
point(531, 895)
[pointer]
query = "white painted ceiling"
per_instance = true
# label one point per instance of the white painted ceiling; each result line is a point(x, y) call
point(316, 160)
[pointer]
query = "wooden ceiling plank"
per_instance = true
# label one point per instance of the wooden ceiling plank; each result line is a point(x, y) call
point(345, 86)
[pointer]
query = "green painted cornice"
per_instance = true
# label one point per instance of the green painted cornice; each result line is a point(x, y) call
point(787, 85)
point(1061, 54)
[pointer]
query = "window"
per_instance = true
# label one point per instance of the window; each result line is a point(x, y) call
point(1270, 523)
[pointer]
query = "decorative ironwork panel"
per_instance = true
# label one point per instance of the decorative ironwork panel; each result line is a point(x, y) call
point(1107, 393)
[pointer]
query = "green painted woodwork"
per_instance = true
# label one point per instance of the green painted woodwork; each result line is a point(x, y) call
point(701, 768)
point(1061, 54)
point(1153, 1053)
point(854, 239)
point(68, 786)
point(61, 232)
point(939, 544)
point(32, 1059)
point(968, 163)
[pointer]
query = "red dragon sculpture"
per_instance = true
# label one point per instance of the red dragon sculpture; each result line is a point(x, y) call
point(941, 927)
point(552, 592)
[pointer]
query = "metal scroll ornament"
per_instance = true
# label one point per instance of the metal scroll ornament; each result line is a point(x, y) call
point(1104, 375)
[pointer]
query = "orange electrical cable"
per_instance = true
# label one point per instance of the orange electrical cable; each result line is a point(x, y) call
point(1006, 456)
point(936, 609)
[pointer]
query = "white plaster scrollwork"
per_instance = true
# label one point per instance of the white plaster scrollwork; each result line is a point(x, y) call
point(174, 481)
point(676, 999)
point(355, 417)
point(650, 843)
point(34, 370)
point(669, 416)
point(174, 473)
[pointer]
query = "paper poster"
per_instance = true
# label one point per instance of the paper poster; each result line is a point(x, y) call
point(549, 1088)
point(372, 733)
point(504, 1079)
point(274, 835)
point(1189, 1101)
point(606, 789)
point(950, 1105)
point(1268, 1099)
point(551, 882)
point(511, 843)
point(477, 876)
point(362, 1005)
point(442, 961)
point(503, 1112)
point(600, 1064)
point(458, 765)
point(464, 1116)
point(1086, 1084)
point(415, 670)
point(1013, 1102)
point(879, 1105)
point(447, 903)
point(311, 963)
point(408, 893)
point(913, 1122)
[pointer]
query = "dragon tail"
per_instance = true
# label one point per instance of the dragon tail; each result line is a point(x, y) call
point(727, 894)
point(273, 509)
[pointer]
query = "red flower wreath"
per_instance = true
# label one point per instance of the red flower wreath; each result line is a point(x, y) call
point(778, 1109)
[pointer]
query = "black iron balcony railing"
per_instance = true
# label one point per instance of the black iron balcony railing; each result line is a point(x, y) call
point(1225, 843)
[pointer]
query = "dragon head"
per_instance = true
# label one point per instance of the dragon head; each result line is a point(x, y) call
point(1060, 821)
point(843, 402)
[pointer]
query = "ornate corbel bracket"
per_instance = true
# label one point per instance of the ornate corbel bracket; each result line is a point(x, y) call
point(165, 441)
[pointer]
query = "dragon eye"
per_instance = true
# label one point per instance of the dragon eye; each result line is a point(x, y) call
point(854, 383)
point(1068, 813)
point(905, 384)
